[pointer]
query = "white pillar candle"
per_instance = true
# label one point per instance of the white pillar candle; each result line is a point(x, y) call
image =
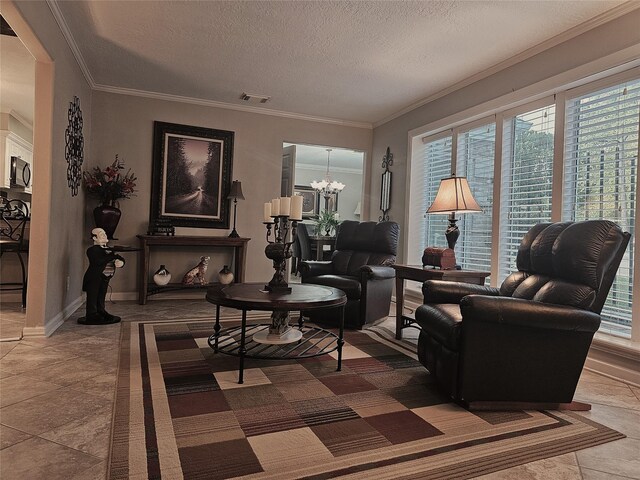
point(267, 213)
point(275, 207)
point(285, 206)
point(296, 208)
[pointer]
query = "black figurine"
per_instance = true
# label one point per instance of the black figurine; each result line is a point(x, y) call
point(103, 262)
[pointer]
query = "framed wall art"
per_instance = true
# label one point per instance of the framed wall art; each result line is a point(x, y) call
point(310, 201)
point(191, 175)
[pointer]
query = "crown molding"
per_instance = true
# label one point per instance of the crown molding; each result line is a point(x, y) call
point(66, 32)
point(24, 121)
point(228, 106)
point(590, 24)
point(68, 36)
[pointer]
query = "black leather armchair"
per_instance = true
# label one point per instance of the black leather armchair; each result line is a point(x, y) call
point(360, 267)
point(528, 340)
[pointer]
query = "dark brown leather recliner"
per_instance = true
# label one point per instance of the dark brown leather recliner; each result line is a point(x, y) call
point(360, 267)
point(528, 340)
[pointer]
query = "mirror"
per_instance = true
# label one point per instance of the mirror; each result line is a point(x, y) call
point(385, 187)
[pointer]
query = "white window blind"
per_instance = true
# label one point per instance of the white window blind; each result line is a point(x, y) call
point(437, 160)
point(527, 169)
point(475, 158)
point(600, 168)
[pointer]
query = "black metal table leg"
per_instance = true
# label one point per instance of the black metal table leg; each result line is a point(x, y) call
point(243, 350)
point(216, 328)
point(340, 339)
point(300, 321)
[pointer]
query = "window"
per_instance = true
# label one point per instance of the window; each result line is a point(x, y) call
point(474, 160)
point(588, 136)
point(600, 168)
point(526, 184)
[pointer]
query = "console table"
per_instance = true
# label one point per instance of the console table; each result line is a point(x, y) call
point(422, 274)
point(147, 242)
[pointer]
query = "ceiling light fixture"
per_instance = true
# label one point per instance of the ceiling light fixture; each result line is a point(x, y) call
point(327, 187)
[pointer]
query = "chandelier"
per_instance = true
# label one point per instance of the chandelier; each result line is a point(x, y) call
point(327, 187)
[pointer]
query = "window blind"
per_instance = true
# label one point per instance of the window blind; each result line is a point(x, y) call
point(600, 168)
point(525, 190)
point(475, 159)
point(437, 161)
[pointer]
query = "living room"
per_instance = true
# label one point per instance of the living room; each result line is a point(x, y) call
point(76, 58)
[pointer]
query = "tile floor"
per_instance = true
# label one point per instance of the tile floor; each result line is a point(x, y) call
point(57, 397)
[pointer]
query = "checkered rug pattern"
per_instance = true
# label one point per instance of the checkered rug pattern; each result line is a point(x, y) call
point(180, 413)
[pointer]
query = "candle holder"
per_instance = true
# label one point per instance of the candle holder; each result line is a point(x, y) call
point(279, 250)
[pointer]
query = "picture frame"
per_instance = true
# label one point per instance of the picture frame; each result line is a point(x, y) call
point(191, 175)
point(310, 201)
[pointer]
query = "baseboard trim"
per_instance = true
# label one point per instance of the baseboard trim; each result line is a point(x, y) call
point(53, 324)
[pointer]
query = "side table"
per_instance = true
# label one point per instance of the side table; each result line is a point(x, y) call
point(422, 274)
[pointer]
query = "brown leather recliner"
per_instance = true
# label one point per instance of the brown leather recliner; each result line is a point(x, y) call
point(528, 340)
point(360, 266)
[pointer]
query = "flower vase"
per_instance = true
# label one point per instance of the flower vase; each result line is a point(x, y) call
point(225, 276)
point(107, 218)
point(162, 276)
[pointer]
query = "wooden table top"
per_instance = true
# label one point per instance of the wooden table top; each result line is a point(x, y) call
point(252, 296)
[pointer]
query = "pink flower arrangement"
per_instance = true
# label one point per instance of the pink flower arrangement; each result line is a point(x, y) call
point(110, 185)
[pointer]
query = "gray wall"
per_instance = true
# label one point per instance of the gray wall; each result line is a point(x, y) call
point(66, 239)
point(124, 125)
point(599, 42)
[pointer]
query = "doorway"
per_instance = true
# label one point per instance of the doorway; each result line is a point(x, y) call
point(17, 100)
point(307, 168)
point(40, 214)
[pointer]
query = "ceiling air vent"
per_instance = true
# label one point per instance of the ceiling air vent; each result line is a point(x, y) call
point(253, 98)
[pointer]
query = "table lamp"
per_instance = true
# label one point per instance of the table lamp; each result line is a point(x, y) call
point(454, 195)
point(235, 194)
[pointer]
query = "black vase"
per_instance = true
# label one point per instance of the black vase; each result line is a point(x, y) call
point(107, 218)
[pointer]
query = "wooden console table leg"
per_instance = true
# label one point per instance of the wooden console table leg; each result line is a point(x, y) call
point(243, 350)
point(143, 273)
point(399, 305)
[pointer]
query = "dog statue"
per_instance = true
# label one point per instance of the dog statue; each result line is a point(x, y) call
point(196, 276)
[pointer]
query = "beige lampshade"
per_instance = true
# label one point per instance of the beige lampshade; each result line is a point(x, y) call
point(454, 195)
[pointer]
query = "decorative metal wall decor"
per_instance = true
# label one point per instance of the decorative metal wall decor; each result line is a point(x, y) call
point(385, 189)
point(74, 148)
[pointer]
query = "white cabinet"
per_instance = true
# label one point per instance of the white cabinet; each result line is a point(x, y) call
point(11, 145)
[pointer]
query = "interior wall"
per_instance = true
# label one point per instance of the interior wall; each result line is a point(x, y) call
point(602, 41)
point(123, 125)
point(57, 217)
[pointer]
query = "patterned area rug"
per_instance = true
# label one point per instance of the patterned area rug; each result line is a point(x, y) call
point(180, 413)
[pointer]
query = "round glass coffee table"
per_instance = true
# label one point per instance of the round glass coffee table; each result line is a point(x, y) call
point(278, 340)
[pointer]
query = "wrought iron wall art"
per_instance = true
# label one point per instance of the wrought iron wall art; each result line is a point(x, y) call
point(74, 149)
point(385, 188)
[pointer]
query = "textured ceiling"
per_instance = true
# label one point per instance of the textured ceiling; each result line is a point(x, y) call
point(351, 60)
